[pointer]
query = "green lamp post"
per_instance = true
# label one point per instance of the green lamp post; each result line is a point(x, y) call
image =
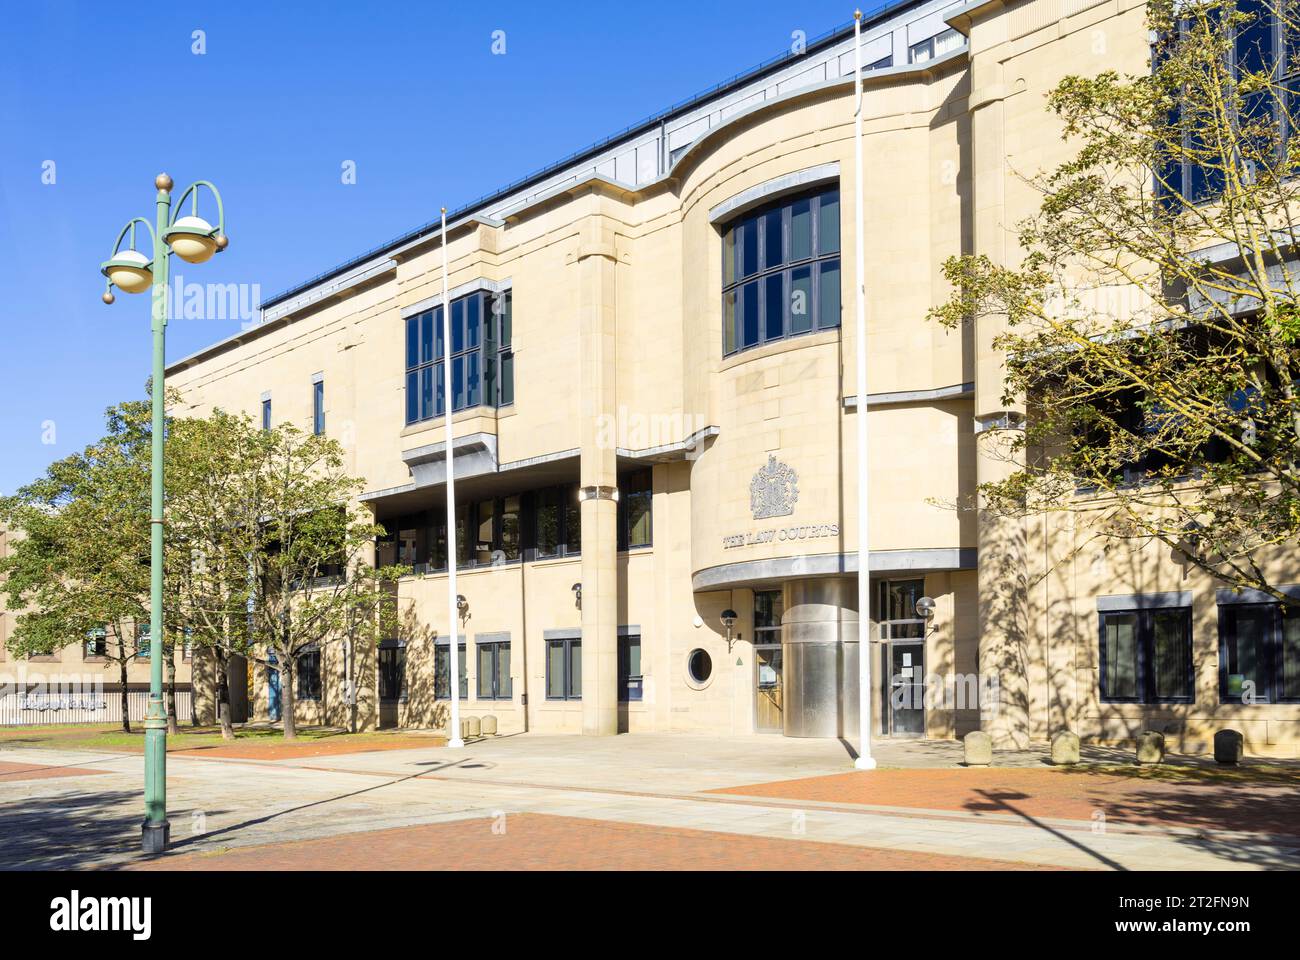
point(194, 240)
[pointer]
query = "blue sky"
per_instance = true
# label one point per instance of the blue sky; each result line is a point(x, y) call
point(283, 95)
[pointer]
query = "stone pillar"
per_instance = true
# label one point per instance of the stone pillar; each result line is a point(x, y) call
point(1002, 575)
point(595, 260)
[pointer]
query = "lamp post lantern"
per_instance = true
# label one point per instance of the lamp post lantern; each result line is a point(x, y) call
point(194, 240)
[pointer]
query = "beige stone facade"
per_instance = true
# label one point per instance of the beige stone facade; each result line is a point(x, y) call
point(622, 376)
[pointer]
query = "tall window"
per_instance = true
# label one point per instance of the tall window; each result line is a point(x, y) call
point(555, 522)
point(768, 609)
point(564, 669)
point(442, 671)
point(1259, 653)
point(307, 676)
point(142, 640)
point(1146, 656)
point(482, 357)
point(494, 670)
point(634, 510)
point(318, 407)
point(629, 667)
point(266, 414)
point(392, 671)
point(781, 271)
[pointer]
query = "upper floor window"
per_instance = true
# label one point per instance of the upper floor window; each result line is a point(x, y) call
point(318, 407)
point(934, 47)
point(96, 643)
point(781, 271)
point(482, 357)
point(1260, 61)
point(266, 413)
point(634, 510)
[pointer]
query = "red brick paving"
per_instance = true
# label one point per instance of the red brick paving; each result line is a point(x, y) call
point(534, 841)
point(32, 771)
point(1268, 807)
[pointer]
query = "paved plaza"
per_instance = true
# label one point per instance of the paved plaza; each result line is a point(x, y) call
point(643, 801)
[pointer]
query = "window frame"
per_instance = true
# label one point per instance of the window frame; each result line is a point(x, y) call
point(1146, 681)
point(303, 691)
point(492, 643)
point(318, 407)
point(397, 650)
point(99, 637)
point(623, 511)
point(569, 646)
point(1274, 652)
point(734, 285)
point(631, 686)
point(487, 340)
point(442, 663)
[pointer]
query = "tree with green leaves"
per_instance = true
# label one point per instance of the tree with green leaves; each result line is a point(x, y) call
point(1151, 329)
point(311, 585)
point(80, 557)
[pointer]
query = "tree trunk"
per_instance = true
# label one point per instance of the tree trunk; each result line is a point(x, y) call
point(286, 699)
point(173, 727)
point(126, 706)
point(223, 693)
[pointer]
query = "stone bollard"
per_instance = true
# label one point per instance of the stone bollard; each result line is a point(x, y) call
point(1065, 748)
point(470, 727)
point(1151, 747)
point(490, 725)
point(1229, 747)
point(978, 748)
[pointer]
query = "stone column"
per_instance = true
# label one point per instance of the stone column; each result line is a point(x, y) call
point(1003, 616)
point(595, 260)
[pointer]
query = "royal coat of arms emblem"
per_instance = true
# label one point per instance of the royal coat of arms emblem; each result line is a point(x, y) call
point(774, 490)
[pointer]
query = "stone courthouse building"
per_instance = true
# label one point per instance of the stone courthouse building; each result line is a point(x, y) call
point(654, 405)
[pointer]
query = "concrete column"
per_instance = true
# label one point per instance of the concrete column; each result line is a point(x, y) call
point(1002, 575)
point(595, 260)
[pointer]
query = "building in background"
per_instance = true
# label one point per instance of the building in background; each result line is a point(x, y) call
point(653, 397)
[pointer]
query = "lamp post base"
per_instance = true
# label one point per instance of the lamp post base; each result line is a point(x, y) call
point(155, 837)
point(455, 743)
point(865, 763)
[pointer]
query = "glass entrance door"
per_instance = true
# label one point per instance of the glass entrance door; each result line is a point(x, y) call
point(905, 689)
point(767, 695)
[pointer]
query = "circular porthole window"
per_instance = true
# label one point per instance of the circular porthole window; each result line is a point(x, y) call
point(699, 667)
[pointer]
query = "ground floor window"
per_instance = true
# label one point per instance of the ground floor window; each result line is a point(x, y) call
point(896, 608)
point(564, 669)
point(392, 673)
point(442, 671)
point(629, 667)
point(1146, 656)
point(1259, 653)
point(494, 669)
point(96, 643)
point(307, 682)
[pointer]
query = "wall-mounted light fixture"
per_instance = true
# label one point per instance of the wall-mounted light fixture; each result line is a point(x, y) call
point(729, 621)
point(577, 595)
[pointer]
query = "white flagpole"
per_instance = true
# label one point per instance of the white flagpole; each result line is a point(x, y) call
point(453, 611)
point(865, 760)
